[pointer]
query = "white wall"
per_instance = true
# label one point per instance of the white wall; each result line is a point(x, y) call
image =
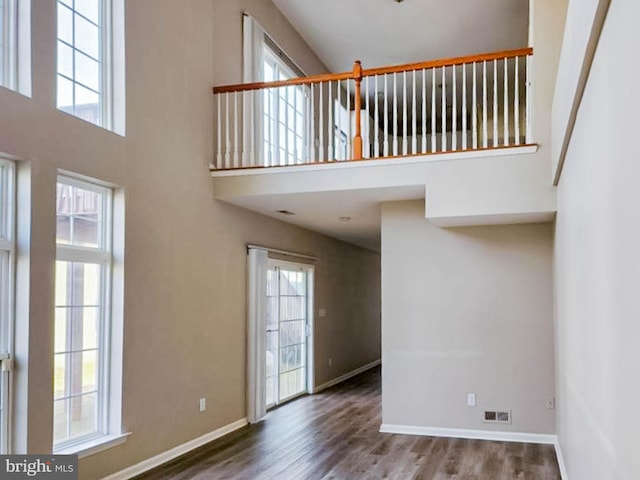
point(185, 263)
point(598, 265)
point(466, 310)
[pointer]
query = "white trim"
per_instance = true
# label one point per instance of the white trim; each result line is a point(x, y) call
point(94, 446)
point(470, 434)
point(346, 376)
point(574, 83)
point(176, 452)
point(560, 457)
point(435, 157)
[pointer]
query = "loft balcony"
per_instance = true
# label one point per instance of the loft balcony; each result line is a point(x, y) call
point(466, 104)
point(458, 134)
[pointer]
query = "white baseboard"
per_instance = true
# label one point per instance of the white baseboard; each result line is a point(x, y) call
point(471, 434)
point(346, 376)
point(561, 464)
point(175, 452)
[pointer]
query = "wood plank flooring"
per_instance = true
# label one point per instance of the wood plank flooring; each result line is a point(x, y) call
point(334, 436)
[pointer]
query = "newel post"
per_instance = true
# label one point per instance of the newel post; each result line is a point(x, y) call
point(357, 140)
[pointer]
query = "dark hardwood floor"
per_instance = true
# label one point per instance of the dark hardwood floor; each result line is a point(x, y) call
point(334, 435)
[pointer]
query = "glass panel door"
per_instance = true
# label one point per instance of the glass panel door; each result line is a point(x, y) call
point(287, 325)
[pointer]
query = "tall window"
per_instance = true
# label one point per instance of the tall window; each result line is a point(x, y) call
point(8, 44)
point(7, 210)
point(84, 66)
point(82, 312)
point(285, 114)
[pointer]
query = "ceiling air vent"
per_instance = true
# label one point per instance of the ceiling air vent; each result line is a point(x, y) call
point(497, 416)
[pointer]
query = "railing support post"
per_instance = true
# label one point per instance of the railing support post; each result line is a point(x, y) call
point(357, 140)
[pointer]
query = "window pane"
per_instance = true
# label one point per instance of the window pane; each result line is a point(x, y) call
point(65, 59)
point(84, 332)
point(90, 9)
point(65, 95)
point(2, 46)
point(87, 105)
point(65, 24)
point(84, 371)
point(87, 73)
point(79, 216)
point(61, 325)
point(87, 37)
point(84, 415)
point(60, 375)
point(78, 284)
point(60, 420)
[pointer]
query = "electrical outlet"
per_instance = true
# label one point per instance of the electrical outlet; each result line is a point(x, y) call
point(203, 404)
point(330, 361)
point(471, 399)
point(551, 403)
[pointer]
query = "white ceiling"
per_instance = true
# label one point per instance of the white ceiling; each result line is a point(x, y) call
point(383, 32)
point(321, 211)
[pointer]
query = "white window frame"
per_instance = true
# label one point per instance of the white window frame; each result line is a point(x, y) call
point(104, 257)
point(7, 292)
point(105, 60)
point(9, 43)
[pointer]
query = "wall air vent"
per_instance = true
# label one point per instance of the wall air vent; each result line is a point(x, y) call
point(497, 416)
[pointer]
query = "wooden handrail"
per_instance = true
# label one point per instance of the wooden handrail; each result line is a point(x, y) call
point(448, 62)
point(333, 77)
point(244, 87)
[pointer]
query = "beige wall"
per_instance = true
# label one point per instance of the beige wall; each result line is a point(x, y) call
point(185, 252)
point(227, 34)
point(598, 264)
point(465, 310)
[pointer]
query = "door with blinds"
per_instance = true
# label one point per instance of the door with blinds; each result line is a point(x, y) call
point(287, 331)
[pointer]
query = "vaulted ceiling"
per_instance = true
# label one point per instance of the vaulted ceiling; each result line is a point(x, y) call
point(385, 32)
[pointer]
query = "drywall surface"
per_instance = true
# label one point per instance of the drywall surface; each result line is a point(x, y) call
point(598, 265)
point(465, 310)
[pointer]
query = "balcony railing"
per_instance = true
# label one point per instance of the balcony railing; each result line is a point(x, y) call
point(461, 104)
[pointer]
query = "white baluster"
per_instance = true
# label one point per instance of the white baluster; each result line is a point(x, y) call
point(236, 144)
point(349, 133)
point(529, 137)
point(312, 116)
point(414, 115)
point(506, 102)
point(405, 146)
point(454, 114)
point(424, 111)
point(227, 133)
point(433, 110)
point(376, 134)
point(485, 128)
point(495, 103)
point(339, 123)
point(444, 109)
point(321, 122)
point(474, 113)
point(367, 134)
point(219, 153)
point(516, 101)
point(252, 122)
point(385, 138)
point(395, 115)
point(464, 107)
point(330, 126)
